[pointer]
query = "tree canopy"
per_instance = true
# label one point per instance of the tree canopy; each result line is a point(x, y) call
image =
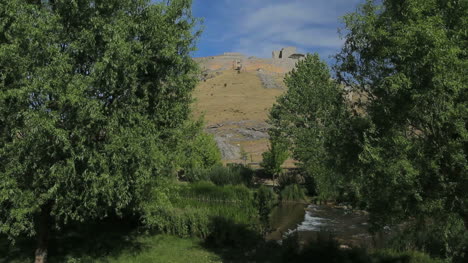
point(408, 59)
point(90, 91)
point(308, 119)
point(397, 144)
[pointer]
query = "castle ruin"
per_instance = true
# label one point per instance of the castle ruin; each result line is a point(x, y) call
point(282, 61)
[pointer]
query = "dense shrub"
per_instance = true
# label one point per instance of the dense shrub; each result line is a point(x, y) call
point(392, 256)
point(196, 175)
point(192, 149)
point(265, 200)
point(233, 174)
point(447, 240)
point(226, 233)
point(181, 222)
point(293, 192)
point(197, 207)
point(325, 249)
point(275, 156)
point(289, 178)
point(207, 191)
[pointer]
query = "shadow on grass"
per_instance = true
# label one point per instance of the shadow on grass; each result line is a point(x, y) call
point(231, 242)
point(86, 242)
point(238, 243)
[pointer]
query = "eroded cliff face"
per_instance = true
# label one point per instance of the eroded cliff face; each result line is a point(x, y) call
point(235, 95)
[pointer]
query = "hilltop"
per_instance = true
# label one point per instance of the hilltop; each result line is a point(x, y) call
point(235, 95)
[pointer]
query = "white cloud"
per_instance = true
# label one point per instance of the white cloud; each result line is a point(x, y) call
point(259, 26)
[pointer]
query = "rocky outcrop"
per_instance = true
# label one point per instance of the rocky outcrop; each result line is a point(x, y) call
point(228, 151)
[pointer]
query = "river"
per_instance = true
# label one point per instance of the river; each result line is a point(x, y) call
point(310, 221)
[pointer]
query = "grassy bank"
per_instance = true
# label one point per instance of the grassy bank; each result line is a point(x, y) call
point(165, 249)
point(145, 248)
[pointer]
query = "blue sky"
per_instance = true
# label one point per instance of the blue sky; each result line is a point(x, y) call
point(257, 27)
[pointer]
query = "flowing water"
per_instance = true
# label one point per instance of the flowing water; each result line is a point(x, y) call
point(311, 221)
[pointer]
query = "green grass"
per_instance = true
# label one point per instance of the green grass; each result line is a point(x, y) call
point(145, 248)
point(165, 249)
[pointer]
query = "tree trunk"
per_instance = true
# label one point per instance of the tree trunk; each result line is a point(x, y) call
point(42, 235)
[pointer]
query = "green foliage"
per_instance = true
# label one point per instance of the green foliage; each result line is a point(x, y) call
point(113, 248)
point(229, 234)
point(407, 60)
point(325, 249)
point(293, 192)
point(196, 207)
point(192, 149)
point(291, 177)
point(274, 158)
point(308, 118)
point(265, 200)
point(163, 249)
point(233, 174)
point(387, 255)
point(397, 145)
point(197, 175)
point(221, 175)
point(89, 91)
point(166, 248)
point(186, 222)
point(446, 240)
point(208, 191)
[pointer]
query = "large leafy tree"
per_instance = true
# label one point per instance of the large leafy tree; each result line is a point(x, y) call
point(407, 60)
point(89, 91)
point(309, 119)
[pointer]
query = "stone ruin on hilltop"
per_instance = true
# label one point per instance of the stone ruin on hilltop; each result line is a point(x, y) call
point(282, 61)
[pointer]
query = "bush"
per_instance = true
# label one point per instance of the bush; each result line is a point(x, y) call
point(191, 148)
point(233, 174)
point(289, 178)
point(325, 249)
point(448, 240)
point(209, 192)
point(293, 192)
point(225, 233)
point(195, 207)
point(265, 200)
point(274, 157)
point(391, 256)
point(181, 222)
point(197, 174)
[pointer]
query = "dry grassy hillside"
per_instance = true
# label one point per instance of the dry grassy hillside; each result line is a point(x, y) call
point(234, 97)
point(235, 107)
